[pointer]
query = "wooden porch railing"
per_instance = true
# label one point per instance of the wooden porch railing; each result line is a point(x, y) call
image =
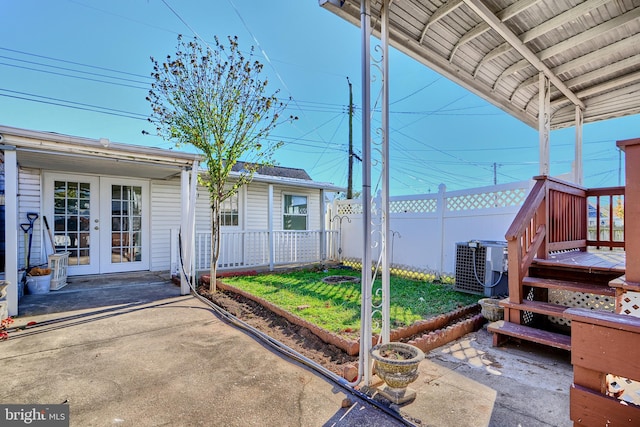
point(546, 222)
point(602, 343)
point(607, 229)
point(553, 218)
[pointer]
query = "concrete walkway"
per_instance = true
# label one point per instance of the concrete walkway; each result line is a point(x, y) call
point(164, 359)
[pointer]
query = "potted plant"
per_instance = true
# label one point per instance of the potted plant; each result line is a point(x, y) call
point(39, 280)
point(396, 364)
point(491, 309)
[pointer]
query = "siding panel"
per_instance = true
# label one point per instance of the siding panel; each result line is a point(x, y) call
point(165, 215)
point(29, 193)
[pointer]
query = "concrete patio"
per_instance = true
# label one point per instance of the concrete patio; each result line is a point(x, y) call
point(128, 350)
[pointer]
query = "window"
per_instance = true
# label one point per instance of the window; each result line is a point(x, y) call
point(295, 212)
point(229, 212)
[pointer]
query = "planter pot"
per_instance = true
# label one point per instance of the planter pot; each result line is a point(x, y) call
point(39, 284)
point(397, 365)
point(491, 309)
point(3, 289)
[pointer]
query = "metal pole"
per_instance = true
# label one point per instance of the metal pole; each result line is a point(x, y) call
point(385, 174)
point(365, 309)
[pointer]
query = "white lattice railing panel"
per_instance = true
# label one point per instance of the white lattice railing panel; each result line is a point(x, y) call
point(413, 206)
point(630, 304)
point(353, 207)
point(497, 199)
point(580, 300)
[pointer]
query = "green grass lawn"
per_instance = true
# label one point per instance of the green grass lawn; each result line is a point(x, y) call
point(336, 307)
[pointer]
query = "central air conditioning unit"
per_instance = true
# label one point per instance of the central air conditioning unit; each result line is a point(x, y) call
point(481, 268)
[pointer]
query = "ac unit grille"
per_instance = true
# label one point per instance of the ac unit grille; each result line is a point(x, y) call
point(466, 280)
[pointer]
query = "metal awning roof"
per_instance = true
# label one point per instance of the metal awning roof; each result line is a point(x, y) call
point(589, 50)
point(53, 151)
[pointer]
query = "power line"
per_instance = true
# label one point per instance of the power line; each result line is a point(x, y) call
point(74, 63)
point(75, 77)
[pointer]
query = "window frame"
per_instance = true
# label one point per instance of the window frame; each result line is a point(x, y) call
point(285, 214)
point(229, 213)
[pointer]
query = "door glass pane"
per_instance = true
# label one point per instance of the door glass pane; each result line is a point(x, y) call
point(126, 223)
point(71, 220)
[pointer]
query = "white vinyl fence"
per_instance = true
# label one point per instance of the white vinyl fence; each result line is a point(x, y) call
point(425, 228)
point(424, 231)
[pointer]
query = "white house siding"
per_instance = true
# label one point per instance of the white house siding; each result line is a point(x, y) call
point(257, 207)
point(256, 211)
point(165, 216)
point(29, 192)
point(203, 209)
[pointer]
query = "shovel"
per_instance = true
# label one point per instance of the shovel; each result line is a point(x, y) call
point(28, 229)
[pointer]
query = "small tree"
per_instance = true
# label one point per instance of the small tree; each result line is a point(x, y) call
point(215, 100)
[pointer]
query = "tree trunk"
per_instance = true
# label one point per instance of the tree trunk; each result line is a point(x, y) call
point(215, 245)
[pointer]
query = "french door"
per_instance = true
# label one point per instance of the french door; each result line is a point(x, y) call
point(102, 222)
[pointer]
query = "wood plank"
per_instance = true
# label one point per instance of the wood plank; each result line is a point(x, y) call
point(568, 285)
point(592, 261)
point(605, 318)
point(599, 347)
point(530, 334)
point(539, 307)
point(589, 408)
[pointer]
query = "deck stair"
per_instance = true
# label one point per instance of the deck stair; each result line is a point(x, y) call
point(529, 318)
point(559, 257)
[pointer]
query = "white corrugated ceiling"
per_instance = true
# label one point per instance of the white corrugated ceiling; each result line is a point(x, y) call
point(590, 50)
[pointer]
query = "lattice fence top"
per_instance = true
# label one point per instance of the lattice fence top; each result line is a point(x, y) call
point(474, 199)
point(352, 207)
point(497, 199)
point(413, 206)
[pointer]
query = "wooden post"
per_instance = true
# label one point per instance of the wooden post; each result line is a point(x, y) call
point(631, 147)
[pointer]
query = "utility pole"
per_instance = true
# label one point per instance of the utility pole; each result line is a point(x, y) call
point(495, 173)
point(350, 172)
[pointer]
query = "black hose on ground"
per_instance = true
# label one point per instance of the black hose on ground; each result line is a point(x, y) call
point(286, 350)
point(292, 354)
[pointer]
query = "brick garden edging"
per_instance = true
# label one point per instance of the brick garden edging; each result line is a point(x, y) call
point(440, 337)
point(438, 333)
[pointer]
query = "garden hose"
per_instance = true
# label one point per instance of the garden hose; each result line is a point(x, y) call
point(294, 355)
point(288, 351)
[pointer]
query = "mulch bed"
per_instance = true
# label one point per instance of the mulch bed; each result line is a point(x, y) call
point(337, 354)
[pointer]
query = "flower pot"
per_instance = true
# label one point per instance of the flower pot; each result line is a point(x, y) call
point(491, 309)
point(397, 365)
point(39, 284)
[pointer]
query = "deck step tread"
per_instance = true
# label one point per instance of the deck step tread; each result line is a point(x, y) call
point(527, 333)
point(539, 282)
point(539, 307)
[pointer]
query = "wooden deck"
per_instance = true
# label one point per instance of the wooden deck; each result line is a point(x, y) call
point(592, 261)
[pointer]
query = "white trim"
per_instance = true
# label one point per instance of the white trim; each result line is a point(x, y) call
point(11, 226)
point(94, 216)
point(106, 264)
point(284, 195)
point(270, 226)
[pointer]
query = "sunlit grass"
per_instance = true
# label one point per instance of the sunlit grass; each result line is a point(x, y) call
point(336, 307)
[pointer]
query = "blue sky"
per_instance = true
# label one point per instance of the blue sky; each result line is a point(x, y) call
point(82, 67)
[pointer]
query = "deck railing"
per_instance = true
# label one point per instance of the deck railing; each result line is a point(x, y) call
point(606, 222)
point(556, 217)
point(250, 249)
